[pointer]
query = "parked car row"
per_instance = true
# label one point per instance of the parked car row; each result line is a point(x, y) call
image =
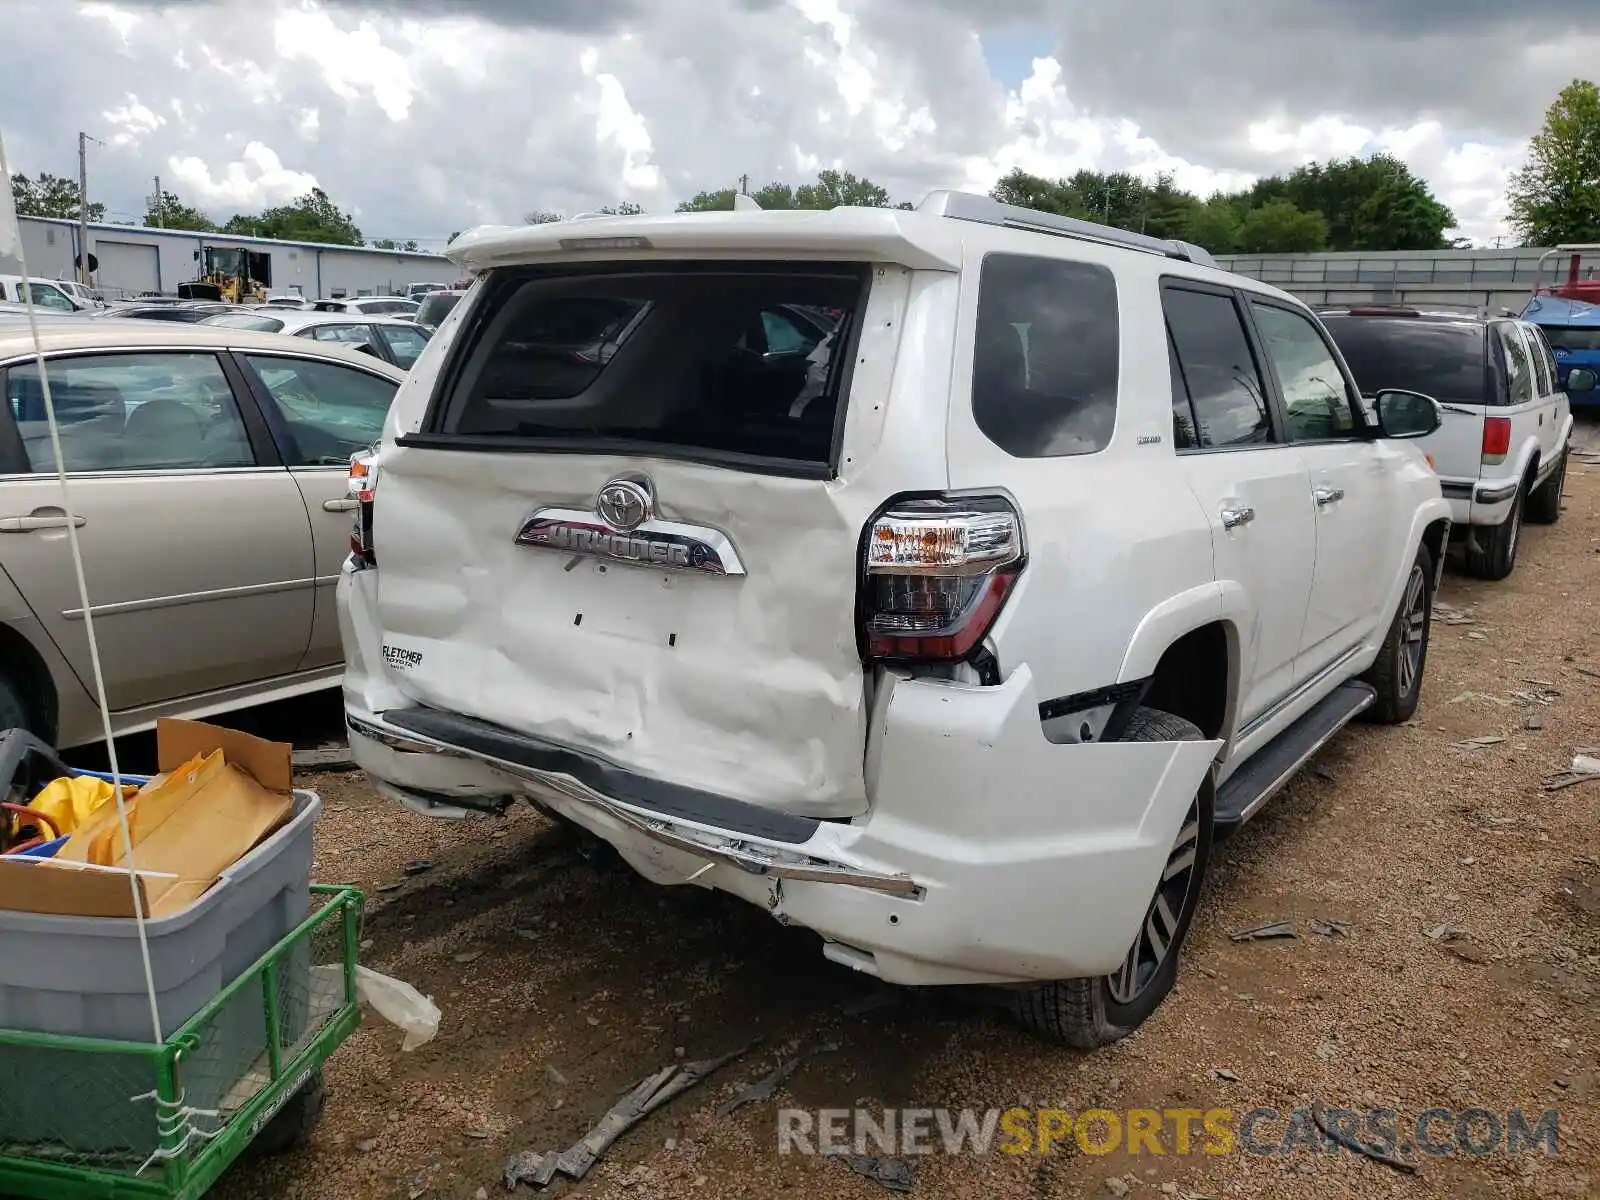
point(391, 338)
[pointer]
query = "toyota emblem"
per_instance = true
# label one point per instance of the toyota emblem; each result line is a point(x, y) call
point(625, 504)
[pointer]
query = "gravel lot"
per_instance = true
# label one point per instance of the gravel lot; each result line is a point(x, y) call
point(563, 982)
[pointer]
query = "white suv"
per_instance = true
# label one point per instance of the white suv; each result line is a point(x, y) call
point(941, 581)
point(1501, 453)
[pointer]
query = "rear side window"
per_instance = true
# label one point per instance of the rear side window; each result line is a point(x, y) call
point(1571, 338)
point(1544, 366)
point(1519, 365)
point(698, 361)
point(1442, 359)
point(1044, 368)
point(1215, 370)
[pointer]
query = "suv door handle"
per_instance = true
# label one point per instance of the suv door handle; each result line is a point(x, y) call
point(30, 523)
point(1232, 518)
point(1328, 495)
point(348, 504)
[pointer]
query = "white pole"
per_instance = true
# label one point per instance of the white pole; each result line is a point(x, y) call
point(83, 211)
point(9, 228)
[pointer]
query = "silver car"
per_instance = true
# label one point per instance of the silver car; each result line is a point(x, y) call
point(209, 472)
point(393, 339)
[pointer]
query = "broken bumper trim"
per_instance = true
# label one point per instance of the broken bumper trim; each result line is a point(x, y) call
point(600, 779)
point(747, 854)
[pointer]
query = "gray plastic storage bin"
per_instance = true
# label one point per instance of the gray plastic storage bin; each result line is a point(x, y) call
point(83, 976)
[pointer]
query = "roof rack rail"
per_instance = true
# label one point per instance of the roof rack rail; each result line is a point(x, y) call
point(969, 206)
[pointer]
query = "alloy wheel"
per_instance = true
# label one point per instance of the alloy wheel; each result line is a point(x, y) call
point(1159, 929)
point(1413, 625)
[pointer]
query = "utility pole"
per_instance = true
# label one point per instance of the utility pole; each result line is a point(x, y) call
point(83, 210)
point(159, 217)
point(744, 185)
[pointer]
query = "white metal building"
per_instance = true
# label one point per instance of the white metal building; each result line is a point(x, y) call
point(132, 259)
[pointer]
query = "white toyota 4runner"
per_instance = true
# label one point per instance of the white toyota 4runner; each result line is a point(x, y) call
point(941, 581)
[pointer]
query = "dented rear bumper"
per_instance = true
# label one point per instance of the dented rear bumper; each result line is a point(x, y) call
point(988, 854)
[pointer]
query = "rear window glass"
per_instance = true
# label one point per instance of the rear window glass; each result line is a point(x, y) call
point(1573, 338)
point(1044, 369)
point(692, 361)
point(1442, 359)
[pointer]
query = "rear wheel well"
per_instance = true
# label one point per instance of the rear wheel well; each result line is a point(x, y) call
point(28, 672)
point(1193, 680)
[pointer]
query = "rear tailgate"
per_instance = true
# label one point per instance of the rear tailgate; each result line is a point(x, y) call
point(631, 522)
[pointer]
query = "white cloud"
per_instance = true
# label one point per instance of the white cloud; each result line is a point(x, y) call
point(1049, 135)
point(352, 61)
point(619, 127)
point(256, 179)
point(121, 21)
point(430, 116)
point(131, 121)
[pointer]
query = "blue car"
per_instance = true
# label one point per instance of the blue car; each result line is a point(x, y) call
point(1572, 327)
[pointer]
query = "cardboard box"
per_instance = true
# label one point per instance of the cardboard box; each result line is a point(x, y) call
point(219, 793)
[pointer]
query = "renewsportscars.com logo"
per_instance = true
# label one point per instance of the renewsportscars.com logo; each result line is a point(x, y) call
point(1262, 1131)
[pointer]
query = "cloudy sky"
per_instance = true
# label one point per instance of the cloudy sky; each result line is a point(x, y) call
point(427, 116)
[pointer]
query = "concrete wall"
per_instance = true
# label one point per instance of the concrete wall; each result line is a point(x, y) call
point(1489, 280)
point(314, 270)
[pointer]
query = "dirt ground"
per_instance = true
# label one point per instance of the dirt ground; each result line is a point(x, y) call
point(564, 982)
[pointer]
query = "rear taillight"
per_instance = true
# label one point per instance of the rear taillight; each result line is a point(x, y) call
point(936, 575)
point(363, 488)
point(1496, 438)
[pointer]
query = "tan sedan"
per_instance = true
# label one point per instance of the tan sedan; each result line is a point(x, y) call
point(208, 474)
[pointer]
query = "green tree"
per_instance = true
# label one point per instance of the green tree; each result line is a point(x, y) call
point(1169, 211)
point(1278, 227)
point(1215, 225)
point(831, 190)
point(626, 209)
point(392, 244)
point(539, 216)
point(166, 211)
point(312, 218)
point(834, 189)
point(1555, 197)
point(720, 200)
point(50, 196)
point(1369, 204)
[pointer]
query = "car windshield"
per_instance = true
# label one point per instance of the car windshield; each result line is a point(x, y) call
point(1442, 359)
point(435, 307)
point(245, 321)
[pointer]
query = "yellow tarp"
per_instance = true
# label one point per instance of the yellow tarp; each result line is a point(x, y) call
point(69, 802)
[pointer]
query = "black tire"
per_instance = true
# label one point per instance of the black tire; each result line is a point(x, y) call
point(1396, 674)
point(293, 1123)
point(1089, 1013)
point(1492, 550)
point(14, 710)
point(1544, 502)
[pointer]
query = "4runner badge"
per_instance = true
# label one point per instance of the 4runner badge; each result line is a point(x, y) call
point(623, 528)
